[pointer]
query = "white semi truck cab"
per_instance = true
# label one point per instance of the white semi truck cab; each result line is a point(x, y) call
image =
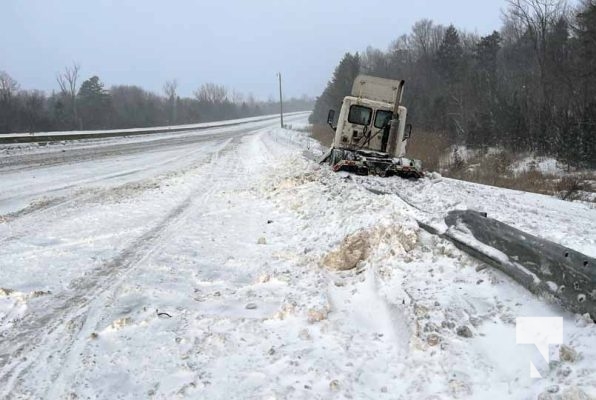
point(371, 133)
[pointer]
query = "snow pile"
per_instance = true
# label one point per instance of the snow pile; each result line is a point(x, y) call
point(544, 165)
point(356, 247)
point(430, 199)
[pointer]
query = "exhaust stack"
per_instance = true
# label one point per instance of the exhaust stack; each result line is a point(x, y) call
point(393, 132)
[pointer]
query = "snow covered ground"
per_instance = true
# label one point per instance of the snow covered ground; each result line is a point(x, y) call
point(212, 266)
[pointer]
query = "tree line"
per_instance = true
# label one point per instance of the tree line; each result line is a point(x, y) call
point(89, 105)
point(529, 87)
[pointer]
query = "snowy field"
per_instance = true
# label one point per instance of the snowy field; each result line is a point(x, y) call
point(210, 265)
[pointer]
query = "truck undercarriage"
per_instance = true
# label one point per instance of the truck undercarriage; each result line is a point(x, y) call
point(368, 162)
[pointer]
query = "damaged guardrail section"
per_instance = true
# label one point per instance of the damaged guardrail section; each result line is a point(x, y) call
point(543, 267)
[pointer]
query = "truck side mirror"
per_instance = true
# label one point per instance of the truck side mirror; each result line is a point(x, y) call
point(331, 118)
point(408, 133)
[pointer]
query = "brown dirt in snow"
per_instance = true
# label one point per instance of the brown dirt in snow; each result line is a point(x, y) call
point(358, 246)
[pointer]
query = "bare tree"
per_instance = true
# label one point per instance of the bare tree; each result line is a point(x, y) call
point(8, 86)
point(375, 62)
point(422, 37)
point(402, 43)
point(67, 81)
point(212, 93)
point(237, 97)
point(469, 40)
point(169, 89)
point(535, 18)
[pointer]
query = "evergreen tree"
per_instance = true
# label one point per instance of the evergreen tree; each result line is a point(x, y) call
point(94, 104)
point(486, 56)
point(449, 104)
point(483, 125)
point(450, 56)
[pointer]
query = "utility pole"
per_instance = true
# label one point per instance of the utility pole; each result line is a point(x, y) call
point(281, 102)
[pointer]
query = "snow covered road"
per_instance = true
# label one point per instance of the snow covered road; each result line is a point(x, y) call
point(211, 266)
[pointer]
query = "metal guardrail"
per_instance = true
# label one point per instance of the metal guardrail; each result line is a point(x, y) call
point(545, 268)
point(549, 270)
point(60, 136)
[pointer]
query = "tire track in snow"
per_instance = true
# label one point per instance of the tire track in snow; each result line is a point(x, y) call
point(109, 150)
point(56, 323)
point(120, 174)
point(86, 195)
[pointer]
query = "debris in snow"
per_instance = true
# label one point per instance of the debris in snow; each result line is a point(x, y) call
point(39, 293)
point(269, 221)
point(94, 335)
point(431, 327)
point(420, 311)
point(564, 371)
point(251, 306)
point(334, 385)
point(567, 354)
point(448, 324)
point(464, 331)
point(553, 389)
point(317, 315)
point(5, 292)
point(285, 311)
point(433, 339)
point(262, 240)
point(121, 323)
point(163, 314)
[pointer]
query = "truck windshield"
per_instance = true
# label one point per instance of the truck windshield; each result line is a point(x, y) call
point(359, 115)
point(382, 118)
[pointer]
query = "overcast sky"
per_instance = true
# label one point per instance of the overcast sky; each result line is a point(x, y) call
point(238, 43)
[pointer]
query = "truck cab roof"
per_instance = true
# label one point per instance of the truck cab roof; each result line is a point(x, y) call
point(379, 89)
